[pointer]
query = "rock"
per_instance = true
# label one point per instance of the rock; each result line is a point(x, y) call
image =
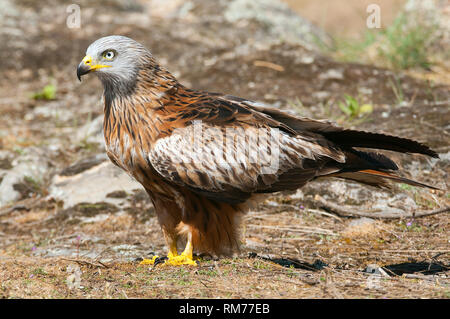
point(361, 221)
point(432, 12)
point(357, 197)
point(93, 186)
point(6, 160)
point(332, 74)
point(168, 9)
point(264, 22)
point(53, 110)
point(73, 281)
point(283, 24)
point(84, 164)
point(376, 270)
point(91, 133)
point(31, 165)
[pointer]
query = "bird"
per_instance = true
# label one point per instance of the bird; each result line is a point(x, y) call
point(206, 158)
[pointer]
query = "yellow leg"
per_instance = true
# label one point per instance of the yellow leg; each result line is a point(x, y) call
point(173, 259)
point(172, 251)
point(185, 258)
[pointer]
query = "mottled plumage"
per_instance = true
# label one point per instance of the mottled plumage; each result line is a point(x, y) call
point(202, 157)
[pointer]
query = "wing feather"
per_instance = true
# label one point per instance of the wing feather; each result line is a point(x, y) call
point(230, 162)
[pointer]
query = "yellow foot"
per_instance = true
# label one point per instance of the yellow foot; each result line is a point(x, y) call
point(180, 260)
point(149, 261)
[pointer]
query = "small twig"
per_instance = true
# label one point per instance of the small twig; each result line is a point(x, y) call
point(26, 204)
point(86, 263)
point(290, 238)
point(435, 257)
point(8, 210)
point(316, 211)
point(270, 65)
point(106, 266)
point(440, 251)
point(206, 286)
point(346, 211)
point(423, 277)
point(124, 294)
point(308, 230)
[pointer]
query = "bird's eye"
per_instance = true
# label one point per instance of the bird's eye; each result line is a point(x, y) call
point(109, 55)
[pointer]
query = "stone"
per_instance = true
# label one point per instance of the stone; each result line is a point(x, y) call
point(32, 165)
point(93, 186)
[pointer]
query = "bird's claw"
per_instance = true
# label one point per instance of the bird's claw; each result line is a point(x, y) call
point(179, 260)
point(171, 260)
point(154, 261)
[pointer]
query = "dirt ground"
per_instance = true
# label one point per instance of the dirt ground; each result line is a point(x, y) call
point(292, 247)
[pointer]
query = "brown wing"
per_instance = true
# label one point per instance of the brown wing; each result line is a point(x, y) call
point(365, 167)
point(269, 150)
point(226, 151)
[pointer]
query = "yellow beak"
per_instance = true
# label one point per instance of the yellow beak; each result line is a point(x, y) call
point(86, 65)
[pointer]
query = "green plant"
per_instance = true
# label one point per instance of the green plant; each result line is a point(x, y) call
point(321, 109)
point(47, 93)
point(406, 44)
point(211, 273)
point(33, 185)
point(353, 109)
point(398, 91)
point(347, 50)
point(402, 45)
point(39, 271)
point(406, 187)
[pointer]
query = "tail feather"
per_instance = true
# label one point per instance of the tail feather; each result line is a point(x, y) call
point(352, 138)
point(379, 178)
point(365, 167)
point(346, 137)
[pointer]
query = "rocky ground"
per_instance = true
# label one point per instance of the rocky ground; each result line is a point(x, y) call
point(73, 225)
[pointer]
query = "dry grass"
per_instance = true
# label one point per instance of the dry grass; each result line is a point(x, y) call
point(274, 231)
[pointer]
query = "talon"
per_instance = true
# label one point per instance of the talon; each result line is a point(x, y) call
point(185, 258)
point(180, 260)
point(149, 261)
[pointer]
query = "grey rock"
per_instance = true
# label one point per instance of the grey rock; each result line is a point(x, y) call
point(434, 14)
point(73, 281)
point(91, 132)
point(332, 74)
point(169, 8)
point(283, 24)
point(31, 164)
point(374, 269)
point(362, 198)
point(84, 164)
point(54, 110)
point(277, 23)
point(93, 185)
point(361, 221)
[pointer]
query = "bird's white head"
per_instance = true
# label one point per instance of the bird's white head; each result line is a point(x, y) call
point(114, 59)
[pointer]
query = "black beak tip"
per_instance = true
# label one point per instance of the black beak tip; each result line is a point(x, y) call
point(82, 69)
point(79, 73)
